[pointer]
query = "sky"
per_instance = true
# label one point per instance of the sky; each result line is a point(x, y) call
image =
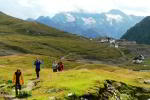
point(34, 8)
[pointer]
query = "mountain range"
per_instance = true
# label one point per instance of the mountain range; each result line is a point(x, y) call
point(112, 24)
point(140, 32)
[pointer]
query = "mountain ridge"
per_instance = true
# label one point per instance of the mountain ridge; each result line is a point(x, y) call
point(113, 23)
point(139, 32)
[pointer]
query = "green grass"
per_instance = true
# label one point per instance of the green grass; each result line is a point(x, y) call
point(77, 80)
point(56, 46)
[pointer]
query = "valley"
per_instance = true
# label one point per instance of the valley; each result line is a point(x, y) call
point(92, 70)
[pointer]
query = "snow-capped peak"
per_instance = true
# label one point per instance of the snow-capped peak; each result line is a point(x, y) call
point(70, 18)
point(89, 20)
point(117, 18)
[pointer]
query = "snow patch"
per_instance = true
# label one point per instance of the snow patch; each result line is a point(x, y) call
point(111, 17)
point(70, 18)
point(89, 21)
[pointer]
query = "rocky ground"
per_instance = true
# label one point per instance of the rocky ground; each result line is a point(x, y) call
point(113, 90)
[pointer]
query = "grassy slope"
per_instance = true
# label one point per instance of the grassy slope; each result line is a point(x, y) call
point(18, 36)
point(57, 46)
point(78, 80)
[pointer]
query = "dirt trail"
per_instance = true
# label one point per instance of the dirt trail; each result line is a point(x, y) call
point(29, 87)
point(89, 61)
point(10, 97)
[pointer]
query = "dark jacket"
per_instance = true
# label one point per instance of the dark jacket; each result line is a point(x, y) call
point(37, 63)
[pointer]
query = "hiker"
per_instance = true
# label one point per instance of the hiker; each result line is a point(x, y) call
point(54, 66)
point(37, 63)
point(60, 66)
point(18, 81)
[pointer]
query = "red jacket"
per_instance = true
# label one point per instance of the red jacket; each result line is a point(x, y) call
point(62, 67)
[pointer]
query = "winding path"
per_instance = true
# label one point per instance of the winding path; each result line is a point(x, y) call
point(29, 87)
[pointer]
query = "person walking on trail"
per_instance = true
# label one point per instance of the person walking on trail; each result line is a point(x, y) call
point(18, 80)
point(54, 66)
point(60, 66)
point(37, 63)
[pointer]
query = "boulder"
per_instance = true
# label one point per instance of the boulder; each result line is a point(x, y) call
point(147, 81)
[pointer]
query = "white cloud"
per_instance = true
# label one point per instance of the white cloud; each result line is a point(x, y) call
point(34, 8)
point(136, 7)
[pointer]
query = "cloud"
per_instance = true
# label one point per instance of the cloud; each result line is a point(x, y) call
point(34, 8)
point(136, 7)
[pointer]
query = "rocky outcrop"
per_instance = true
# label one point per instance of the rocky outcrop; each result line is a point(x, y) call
point(112, 90)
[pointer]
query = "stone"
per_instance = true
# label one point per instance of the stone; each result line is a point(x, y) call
point(70, 94)
point(147, 81)
point(146, 90)
point(52, 98)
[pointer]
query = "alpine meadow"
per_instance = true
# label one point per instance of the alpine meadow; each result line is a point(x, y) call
point(89, 56)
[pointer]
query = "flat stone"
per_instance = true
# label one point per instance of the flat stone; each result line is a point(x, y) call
point(147, 81)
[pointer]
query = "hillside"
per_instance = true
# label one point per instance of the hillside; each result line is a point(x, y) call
point(113, 23)
point(140, 32)
point(18, 36)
